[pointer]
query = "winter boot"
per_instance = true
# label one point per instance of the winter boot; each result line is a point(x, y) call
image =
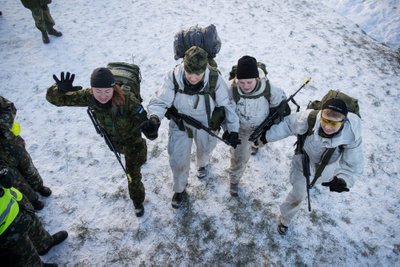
point(139, 209)
point(203, 171)
point(54, 32)
point(45, 38)
point(282, 229)
point(254, 150)
point(44, 191)
point(234, 189)
point(177, 199)
point(37, 204)
point(57, 239)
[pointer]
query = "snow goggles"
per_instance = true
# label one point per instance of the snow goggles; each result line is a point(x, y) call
point(331, 123)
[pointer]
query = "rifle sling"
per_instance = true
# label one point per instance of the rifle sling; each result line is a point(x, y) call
point(320, 166)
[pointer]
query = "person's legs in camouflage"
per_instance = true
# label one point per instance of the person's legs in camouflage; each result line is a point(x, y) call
point(17, 238)
point(135, 157)
point(49, 21)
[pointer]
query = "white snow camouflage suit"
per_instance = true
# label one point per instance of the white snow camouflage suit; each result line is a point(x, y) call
point(251, 112)
point(179, 144)
point(347, 164)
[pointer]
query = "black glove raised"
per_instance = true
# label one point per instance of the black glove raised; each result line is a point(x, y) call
point(6, 178)
point(150, 127)
point(233, 139)
point(65, 84)
point(337, 185)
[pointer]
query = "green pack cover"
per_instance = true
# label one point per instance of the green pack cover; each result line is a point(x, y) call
point(128, 76)
point(351, 102)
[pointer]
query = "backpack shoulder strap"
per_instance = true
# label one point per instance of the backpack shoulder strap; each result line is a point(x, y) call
point(312, 118)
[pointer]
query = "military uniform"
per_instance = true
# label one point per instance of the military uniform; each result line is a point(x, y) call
point(25, 236)
point(43, 19)
point(121, 124)
point(15, 156)
point(21, 233)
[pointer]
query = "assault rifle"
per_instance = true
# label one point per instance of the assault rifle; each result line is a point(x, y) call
point(100, 130)
point(305, 161)
point(269, 121)
point(178, 118)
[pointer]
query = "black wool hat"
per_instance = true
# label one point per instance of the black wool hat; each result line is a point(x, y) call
point(102, 78)
point(337, 105)
point(247, 68)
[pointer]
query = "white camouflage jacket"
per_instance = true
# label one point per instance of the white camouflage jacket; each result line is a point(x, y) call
point(193, 105)
point(347, 165)
point(252, 111)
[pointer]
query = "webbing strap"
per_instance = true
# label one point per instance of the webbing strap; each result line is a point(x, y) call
point(320, 166)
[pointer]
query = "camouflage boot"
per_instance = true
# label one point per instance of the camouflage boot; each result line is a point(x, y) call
point(37, 204)
point(57, 239)
point(139, 209)
point(54, 32)
point(45, 38)
point(44, 191)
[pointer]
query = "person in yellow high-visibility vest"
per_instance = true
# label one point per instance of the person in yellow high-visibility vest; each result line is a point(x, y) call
point(21, 232)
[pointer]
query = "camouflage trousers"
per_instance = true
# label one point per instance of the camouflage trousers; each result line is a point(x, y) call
point(17, 158)
point(42, 17)
point(24, 237)
point(135, 157)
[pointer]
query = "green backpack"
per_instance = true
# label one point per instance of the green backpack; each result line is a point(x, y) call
point(235, 94)
point(127, 76)
point(351, 103)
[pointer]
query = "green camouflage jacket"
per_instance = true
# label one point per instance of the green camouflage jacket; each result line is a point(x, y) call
point(120, 122)
point(35, 3)
point(7, 115)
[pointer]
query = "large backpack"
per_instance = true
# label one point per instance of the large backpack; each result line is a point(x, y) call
point(316, 105)
point(128, 76)
point(206, 38)
point(235, 94)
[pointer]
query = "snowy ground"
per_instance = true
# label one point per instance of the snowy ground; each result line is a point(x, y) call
point(296, 39)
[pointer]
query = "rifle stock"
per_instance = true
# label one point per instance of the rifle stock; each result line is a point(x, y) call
point(267, 123)
point(100, 130)
point(177, 117)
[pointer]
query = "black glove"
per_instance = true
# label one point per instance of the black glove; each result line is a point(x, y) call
point(65, 84)
point(232, 138)
point(150, 127)
point(337, 185)
point(6, 178)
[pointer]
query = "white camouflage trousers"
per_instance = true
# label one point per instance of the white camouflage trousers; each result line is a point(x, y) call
point(292, 203)
point(239, 157)
point(179, 150)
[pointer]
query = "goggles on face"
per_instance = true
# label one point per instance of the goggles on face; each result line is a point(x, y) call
point(331, 123)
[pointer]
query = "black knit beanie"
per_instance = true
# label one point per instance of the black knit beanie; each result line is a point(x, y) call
point(337, 105)
point(102, 78)
point(247, 68)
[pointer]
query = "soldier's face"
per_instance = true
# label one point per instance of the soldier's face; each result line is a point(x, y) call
point(331, 124)
point(247, 85)
point(103, 95)
point(194, 78)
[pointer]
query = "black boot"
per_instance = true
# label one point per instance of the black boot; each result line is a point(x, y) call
point(49, 264)
point(177, 199)
point(45, 38)
point(54, 32)
point(37, 205)
point(57, 239)
point(139, 209)
point(44, 191)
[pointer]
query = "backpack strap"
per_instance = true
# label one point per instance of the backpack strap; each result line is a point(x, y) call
point(209, 90)
point(320, 166)
point(266, 93)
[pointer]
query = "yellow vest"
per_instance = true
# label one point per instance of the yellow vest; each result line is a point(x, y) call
point(8, 207)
